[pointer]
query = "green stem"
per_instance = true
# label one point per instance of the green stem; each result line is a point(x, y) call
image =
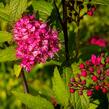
point(77, 40)
point(26, 89)
point(25, 85)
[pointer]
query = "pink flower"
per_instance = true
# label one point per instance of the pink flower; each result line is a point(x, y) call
point(36, 41)
point(96, 40)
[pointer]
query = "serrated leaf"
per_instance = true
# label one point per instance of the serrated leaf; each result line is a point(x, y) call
point(33, 102)
point(8, 54)
point(67, 74)
point(17, 7)
point(44, 8)
point(59, 88)
point(84, 101)
point(75, 68)
point(5, 36)
point(17, 70)
point(4, 15)
point(79, 102)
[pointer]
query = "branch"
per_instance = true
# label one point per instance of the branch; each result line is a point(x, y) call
point(65, 31)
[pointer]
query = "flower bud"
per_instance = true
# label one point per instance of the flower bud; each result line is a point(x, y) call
point(89, 93)
point(94, 78)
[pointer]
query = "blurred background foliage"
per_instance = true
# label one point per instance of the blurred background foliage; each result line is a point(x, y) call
point(39, 79)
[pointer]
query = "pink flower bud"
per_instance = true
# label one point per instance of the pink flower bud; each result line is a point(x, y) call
point(93, 8)
point(83, 73)
point(93, 59)
point(80, 92)
point(104, 90)
point(94, 78)
point(72, 90)
point(98, 71)
point(88, 62)
point(83, 82)
point(82, 66)
point(89, 93)
point(72, 79)
point(107, 72)
point(90, 13)
point(91, 69)
point(97, 87)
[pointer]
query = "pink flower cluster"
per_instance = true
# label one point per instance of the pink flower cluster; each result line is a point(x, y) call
point(36, 41)
point(96, 40)
point(94, 75)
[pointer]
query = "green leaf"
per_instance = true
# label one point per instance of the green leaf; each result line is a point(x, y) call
point(80, 102)
point(44, 8)
point(75, 101)
point(103, 60)
point(84, 101)
point(17, 70)
point(8, 54)
point(42, 65)
point(59, 88)
point(94, 104)
point(89, 50)
point(75, 68)
point(67, 74)
point(4, 15)
point(100, 2)
point(17, 7)
point(33, 102)
point(5, 36)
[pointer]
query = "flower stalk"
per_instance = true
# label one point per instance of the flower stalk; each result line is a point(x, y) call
point(25, 84)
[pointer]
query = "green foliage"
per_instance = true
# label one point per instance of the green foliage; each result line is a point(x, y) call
point(67, 72)
point(89, 50)
point(17, 70)
point(16, 8)
point(75, 68)
point(44, 8)
point(3, 14)
point(94, 105)
point(5, 36)
point(8, 54)
point(40, 76)
point(33, 102)
point(79, 102)
point(59, 88)
point(101, 2)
